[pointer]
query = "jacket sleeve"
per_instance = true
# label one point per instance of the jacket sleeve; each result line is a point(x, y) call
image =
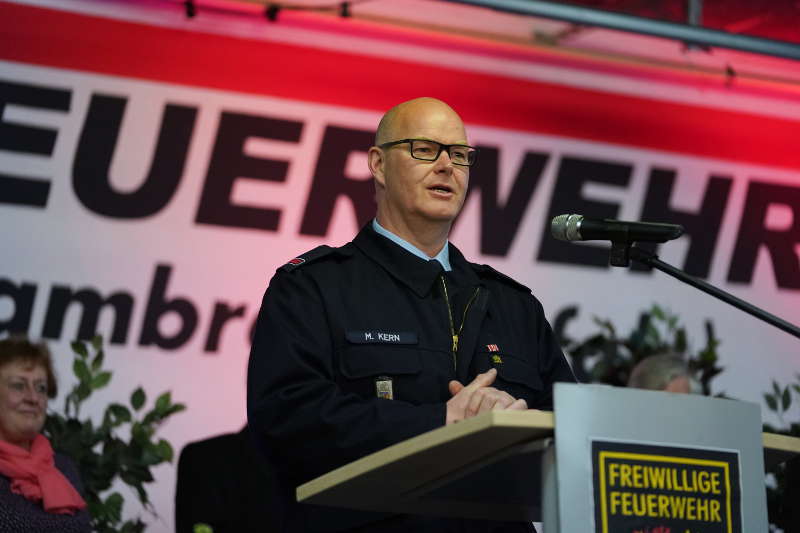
point(295, 408)
point(553, 365)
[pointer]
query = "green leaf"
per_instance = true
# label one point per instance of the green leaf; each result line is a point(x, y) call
point(165, 450)
point(175, 408)
point(114, 506)
point(775, 388)
point(771, 402)
point(657, 312)
point(163, 402)
point(80, 348)
point(97, 362)
point(151, 417)
point(83, 391)
point(143, 497)
point(786, 400)
point(141, 434)
point(151, 455)
point(81, 371)
point(138, 398)
point(120, 412)
point(796, 388)
point(97, 342)
point(202, 528)
point(101, 380)
point(97, 509)
point(127, 527)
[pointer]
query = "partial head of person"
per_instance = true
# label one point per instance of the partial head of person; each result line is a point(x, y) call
point(664, 372)
point(27, 382)
point(420, 163)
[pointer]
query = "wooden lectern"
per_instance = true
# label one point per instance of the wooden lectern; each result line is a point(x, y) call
point(441, 472)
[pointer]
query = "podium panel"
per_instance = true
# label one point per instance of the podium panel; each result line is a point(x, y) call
point(635, 460)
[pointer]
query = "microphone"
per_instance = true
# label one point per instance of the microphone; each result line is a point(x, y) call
point(579, 228)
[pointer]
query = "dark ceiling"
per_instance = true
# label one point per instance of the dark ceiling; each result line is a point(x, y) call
point(772, 19)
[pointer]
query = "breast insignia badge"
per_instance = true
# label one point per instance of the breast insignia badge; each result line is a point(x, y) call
point(383, 387)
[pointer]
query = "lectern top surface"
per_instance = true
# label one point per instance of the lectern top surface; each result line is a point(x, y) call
point(432, 454)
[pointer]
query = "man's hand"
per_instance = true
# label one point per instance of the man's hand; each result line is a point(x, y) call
point(477, 397)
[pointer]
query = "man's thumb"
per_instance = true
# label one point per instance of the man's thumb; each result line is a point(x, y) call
point(485, 379)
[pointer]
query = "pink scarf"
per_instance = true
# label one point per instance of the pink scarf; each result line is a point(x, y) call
point(34, 475)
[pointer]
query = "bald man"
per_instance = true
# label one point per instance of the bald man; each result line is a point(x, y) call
point(395, 333)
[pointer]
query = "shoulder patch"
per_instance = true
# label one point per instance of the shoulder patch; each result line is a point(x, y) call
point(485, 271)
point(308, 257)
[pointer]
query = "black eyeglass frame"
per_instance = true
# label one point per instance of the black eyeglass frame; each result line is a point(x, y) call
point(442, 147)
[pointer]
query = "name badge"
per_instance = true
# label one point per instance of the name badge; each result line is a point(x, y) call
point(381, 337)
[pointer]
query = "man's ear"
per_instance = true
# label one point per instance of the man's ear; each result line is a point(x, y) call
point(376, 160)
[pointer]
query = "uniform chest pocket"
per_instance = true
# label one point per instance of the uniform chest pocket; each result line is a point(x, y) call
point(365, 360)
point(382, 371)
point(520, 372)
point(518, 377)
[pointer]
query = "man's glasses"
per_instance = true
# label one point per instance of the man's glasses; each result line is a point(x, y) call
point(426, 150)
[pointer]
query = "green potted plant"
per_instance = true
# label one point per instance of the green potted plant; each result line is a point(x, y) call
point(123, 445)
point(779, 400)
point(608, 357)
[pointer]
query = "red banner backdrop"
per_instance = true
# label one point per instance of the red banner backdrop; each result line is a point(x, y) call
point(154, 171)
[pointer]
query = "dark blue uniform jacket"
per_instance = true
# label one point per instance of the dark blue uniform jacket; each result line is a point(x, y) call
point(335, 321)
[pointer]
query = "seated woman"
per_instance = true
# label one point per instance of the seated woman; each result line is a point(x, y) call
point(39, 490)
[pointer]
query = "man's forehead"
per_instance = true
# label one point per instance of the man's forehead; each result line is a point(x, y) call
point(435, 124)
point(422, 118)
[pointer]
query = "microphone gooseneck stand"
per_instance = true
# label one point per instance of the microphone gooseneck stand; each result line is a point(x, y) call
point(623, 252)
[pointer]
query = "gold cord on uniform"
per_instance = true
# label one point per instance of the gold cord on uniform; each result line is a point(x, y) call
point(455, 335)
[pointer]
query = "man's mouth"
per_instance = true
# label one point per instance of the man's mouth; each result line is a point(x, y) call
point(441, 188)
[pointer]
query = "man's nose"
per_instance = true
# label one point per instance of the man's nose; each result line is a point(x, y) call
point(444, 161)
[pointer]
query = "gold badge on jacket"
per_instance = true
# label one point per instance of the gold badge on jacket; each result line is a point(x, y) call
point(384, 388)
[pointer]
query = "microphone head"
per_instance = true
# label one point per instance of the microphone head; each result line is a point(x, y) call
point(566, 227)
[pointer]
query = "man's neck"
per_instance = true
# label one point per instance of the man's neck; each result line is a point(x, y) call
point(427, 236)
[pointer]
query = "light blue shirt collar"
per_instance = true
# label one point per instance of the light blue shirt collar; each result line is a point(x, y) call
point(443, 256)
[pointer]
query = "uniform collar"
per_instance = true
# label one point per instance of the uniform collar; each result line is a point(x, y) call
point(419, 274)
point(443, 256)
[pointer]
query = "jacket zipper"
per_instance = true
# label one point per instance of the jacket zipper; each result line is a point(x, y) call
point(453, 334)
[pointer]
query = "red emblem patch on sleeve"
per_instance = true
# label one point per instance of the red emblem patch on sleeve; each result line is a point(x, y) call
point(297, 261)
